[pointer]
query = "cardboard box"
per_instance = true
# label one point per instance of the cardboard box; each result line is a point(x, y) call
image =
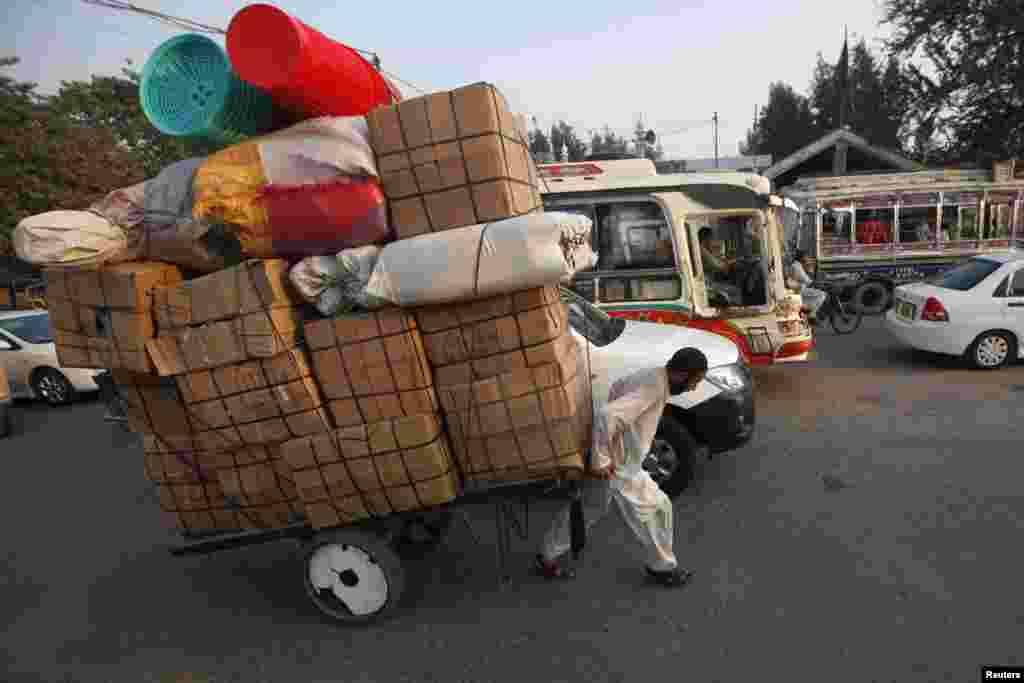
point(251, 287)
point(242, 313)
point(526, 423)
point(453, 159)
point(154, 406)
point(479, 339)
point(104, 316)
point(254, 403)
point(371, 366)
point(372, 470)
point(249, 488)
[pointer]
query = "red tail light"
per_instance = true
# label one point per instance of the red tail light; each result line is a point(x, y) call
point(934, 311)
point(569, 170)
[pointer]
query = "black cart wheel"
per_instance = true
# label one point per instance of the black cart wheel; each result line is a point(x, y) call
point(672, 457)
point(52, 386)
point(352, 576)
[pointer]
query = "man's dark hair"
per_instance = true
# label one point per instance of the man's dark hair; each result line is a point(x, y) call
point(703, 234)
point(688, 360)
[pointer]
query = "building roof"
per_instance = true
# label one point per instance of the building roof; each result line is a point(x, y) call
point(855, 141)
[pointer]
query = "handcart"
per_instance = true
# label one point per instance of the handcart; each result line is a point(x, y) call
point(355, 574)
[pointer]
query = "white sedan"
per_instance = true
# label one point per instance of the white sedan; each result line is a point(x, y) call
point(29, 357)
point(975, 310)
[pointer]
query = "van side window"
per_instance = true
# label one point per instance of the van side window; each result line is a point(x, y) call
point(633, 235)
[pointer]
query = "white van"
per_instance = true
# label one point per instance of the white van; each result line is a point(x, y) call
point(716, 417)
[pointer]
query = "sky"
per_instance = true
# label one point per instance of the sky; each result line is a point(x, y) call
point(593, 64)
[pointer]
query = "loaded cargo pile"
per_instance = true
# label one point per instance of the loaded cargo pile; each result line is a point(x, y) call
point(349, 311)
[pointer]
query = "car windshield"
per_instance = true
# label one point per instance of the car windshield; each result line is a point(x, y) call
point(967, 275)
point(33, 329)
point(598, 327)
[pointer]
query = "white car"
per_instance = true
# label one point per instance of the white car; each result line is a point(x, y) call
point(28, 355)
point(975, 310)
point(716, 417)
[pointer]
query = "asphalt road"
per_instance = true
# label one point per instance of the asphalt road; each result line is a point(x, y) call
point(871, 532)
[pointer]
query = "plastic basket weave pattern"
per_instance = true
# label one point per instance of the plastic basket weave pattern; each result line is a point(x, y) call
point(189, 90)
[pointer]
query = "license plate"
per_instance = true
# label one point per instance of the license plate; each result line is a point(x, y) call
point(905, 309)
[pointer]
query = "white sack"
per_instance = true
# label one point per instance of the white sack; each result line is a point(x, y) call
point(479, 261)
point(68, 238)
point(337, 284)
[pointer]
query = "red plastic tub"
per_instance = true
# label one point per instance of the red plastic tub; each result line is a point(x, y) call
point(303, 69)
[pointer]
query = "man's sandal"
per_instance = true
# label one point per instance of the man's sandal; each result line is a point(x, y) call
point(673, 578)
point(552, 571)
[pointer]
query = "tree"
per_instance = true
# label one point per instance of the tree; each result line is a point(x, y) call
point(564, 134)
point(973, 107)
point(873, 92)
point(785, 125)
point(651, 152)
point(539, 143)
point(112, 102)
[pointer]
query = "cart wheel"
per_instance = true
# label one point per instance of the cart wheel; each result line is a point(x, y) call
point(352, 576)
point(426, 530)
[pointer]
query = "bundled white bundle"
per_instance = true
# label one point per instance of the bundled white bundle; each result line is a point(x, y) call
point(337, 284)
point(69, 238)
point(483, 260)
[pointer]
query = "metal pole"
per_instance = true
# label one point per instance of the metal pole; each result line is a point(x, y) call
point(715, 119)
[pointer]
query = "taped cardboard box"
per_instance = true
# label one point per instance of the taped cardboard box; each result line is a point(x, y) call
point(248, 488)
point(372, 366)
point(530, 422)
point(254, 403)
point(453, 159)
point(154, 406)
point(473, 340)
point(254, 286)
point(243, 313)
point(104, 316)
point(373, 470)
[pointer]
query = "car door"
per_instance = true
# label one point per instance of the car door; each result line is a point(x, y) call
point(11, 364)
point(1013, 305)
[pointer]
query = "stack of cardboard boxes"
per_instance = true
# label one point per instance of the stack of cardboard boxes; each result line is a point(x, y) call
point(256, 414)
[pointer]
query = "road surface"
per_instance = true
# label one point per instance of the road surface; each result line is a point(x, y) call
point(871, 532)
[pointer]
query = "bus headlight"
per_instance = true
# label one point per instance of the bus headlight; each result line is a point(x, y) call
point(729, 377)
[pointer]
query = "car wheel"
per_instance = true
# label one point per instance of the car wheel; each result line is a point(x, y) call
point(52, 386)
point(991, 350)
point(672, 457)
point(872, 298)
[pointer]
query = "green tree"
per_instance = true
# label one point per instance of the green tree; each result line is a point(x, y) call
point(874, 92)
point(539, 143)
point(112, 102)
point(564, 134)
point(972, 108)
point(784, 125)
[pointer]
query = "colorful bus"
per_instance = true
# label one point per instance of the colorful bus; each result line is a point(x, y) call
point(652, 234)
point(873, 232)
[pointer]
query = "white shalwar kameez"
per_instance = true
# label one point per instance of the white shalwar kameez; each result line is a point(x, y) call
point(624, 429)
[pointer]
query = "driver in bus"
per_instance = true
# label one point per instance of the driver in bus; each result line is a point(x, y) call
point(716, 270)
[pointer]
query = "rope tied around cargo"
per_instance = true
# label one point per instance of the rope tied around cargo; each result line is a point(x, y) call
point(476, 269)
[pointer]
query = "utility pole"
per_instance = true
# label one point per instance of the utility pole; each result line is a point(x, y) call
point(715, 119)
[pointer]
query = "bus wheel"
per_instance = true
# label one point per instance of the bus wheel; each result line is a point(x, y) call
point(872, 298)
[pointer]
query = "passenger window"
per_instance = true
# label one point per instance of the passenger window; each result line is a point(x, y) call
point(874, 226)
point(633, 235)
point(641, 288)
point(918, 223)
